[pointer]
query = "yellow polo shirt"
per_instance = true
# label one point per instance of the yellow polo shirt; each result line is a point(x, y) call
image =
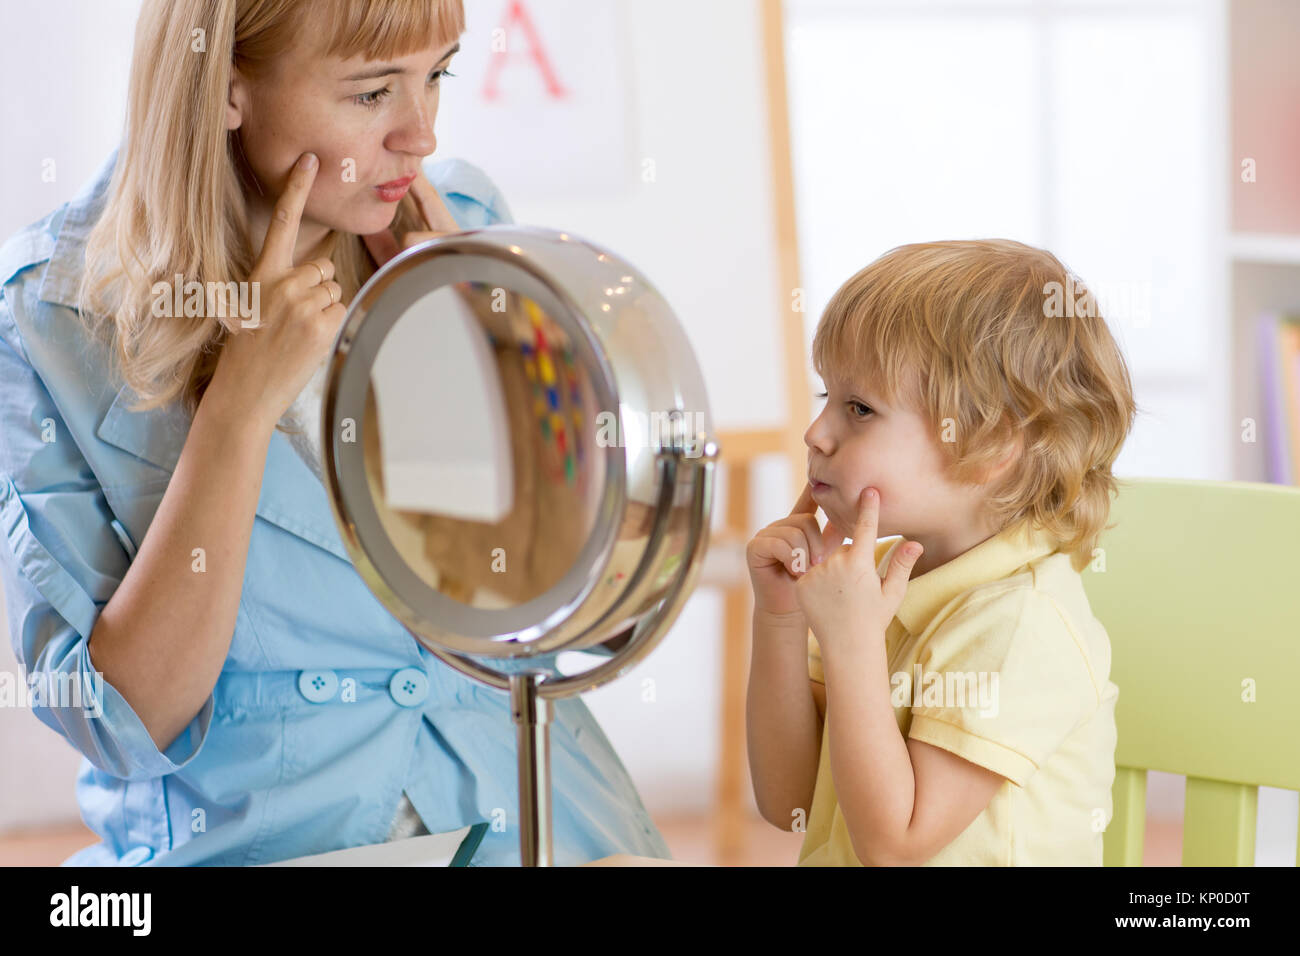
point(996, 657)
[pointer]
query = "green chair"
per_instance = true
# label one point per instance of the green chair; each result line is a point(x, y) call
point(1198, 585)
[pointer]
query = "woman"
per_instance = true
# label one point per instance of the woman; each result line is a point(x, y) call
point(246, 698)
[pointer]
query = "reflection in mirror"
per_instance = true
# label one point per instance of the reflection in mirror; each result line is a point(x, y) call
point(479, 443)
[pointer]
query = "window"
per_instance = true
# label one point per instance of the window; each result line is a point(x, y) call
point(1087, 128)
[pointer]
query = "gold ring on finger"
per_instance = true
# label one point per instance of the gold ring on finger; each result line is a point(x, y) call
point(321, 271)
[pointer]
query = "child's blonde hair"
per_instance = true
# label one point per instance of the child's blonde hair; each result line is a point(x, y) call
point(1001, 348)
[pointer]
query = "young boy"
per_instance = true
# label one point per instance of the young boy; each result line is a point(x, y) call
point(965, 716)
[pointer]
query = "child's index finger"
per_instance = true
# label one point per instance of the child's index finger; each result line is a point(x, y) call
point(864, 532)
point(805, 504)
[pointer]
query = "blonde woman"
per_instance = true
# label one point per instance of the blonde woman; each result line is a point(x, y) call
point(177, 592)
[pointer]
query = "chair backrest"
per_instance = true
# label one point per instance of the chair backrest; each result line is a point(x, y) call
point(1198, 586)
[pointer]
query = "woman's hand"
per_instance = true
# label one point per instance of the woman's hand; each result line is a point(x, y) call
point(383, 245)
point(264, 366)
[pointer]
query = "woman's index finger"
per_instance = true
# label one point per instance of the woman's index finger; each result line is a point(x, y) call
point(431, 206)
point(282, 233)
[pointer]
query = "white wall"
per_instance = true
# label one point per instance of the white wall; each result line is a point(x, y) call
point(65, 70)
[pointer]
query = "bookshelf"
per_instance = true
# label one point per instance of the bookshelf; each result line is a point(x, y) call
point(1263, 216)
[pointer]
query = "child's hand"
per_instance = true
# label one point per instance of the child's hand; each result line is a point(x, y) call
point(781, 552)
point(843, 596)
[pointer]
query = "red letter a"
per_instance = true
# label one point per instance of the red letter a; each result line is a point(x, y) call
point(516, 14)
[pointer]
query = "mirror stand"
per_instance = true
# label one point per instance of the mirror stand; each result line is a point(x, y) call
point(532, 715)
point(531, 707)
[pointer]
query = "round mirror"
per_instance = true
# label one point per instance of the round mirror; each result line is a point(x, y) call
point(518, 453)
point(494, 502)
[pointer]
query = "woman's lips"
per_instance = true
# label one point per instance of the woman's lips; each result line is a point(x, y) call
point(392, 192)
point(818, 486)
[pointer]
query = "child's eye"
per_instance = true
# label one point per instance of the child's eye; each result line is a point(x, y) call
point(851, 404)
point(372, 99)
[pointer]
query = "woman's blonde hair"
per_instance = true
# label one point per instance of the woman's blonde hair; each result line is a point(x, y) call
point(1003, 351)
point(176, 202)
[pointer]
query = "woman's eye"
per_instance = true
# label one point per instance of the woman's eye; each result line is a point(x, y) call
point(372, 99)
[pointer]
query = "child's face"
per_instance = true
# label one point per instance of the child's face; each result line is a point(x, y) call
point(858, 442)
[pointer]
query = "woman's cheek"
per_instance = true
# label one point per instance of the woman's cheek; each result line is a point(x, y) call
point(335, 167)
point(336, 187)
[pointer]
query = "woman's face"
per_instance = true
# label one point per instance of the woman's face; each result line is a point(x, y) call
point(369, 122)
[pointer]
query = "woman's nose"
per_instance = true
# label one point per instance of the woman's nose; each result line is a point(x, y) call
point(415, 135)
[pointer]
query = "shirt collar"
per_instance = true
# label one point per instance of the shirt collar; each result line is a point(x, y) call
point(991, 559)
point(63, 272)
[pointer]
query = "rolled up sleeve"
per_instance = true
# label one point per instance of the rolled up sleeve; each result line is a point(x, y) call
point(62, 557)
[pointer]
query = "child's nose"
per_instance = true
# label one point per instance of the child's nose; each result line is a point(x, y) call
point(815, 437)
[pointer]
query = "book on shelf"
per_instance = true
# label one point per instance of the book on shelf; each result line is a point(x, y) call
point(1279, 353)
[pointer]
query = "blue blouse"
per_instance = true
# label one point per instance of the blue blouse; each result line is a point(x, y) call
point(327, 710)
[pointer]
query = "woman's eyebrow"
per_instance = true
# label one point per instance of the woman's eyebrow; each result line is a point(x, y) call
point(389, 69)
